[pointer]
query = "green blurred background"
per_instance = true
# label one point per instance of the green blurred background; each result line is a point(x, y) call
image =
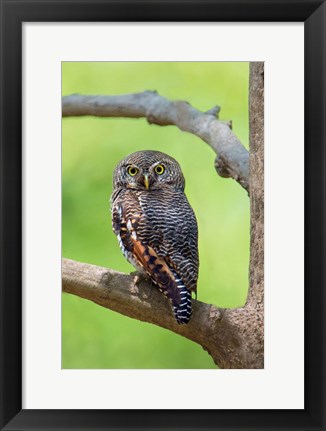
point(94, 337)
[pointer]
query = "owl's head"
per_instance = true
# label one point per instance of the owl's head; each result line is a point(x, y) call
point(148, 170)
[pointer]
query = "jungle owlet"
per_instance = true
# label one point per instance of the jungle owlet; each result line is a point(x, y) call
point(155, 225)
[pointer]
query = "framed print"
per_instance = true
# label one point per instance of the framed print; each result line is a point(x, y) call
point(95, 99)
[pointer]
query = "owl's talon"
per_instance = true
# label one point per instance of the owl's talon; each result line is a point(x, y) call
point(138, 277)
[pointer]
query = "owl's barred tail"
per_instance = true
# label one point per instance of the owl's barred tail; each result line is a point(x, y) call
point(183, 310)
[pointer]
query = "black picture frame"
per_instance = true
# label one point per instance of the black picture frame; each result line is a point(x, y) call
point(13, 14)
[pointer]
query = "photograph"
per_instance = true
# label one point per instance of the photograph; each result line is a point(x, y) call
point(156, 216)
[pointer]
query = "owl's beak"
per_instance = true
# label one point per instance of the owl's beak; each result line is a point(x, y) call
point(146, 182)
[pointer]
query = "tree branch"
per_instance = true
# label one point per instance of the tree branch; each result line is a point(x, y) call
point(256, 118)
point(215, 329)
point(232, 157)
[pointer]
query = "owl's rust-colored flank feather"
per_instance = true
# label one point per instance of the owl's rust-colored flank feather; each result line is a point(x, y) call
point(156, 227)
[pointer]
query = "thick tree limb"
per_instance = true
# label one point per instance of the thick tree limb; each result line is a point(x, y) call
point(255, 299)
point(232, 157)
point(215, 329)
point(256, 118)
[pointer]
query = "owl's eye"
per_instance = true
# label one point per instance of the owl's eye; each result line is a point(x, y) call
point(132, 171)
point(159, 169)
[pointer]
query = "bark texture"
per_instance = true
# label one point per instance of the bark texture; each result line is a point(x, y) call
point(233, 337)
point(232, 157)
point(209, 325)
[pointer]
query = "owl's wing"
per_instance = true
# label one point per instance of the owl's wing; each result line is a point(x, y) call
point(129, 224)
point(179, 243)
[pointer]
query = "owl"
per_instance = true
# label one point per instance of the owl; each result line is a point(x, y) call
point(156, 226)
